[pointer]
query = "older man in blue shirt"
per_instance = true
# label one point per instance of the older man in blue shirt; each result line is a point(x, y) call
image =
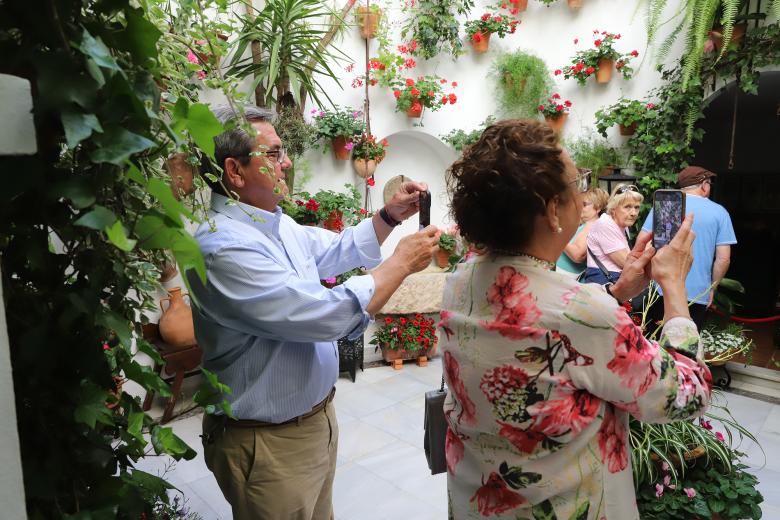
point(267, 327)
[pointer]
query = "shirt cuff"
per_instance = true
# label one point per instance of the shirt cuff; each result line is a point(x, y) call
point(362, 287)
point(682, 335)
point(367, 245)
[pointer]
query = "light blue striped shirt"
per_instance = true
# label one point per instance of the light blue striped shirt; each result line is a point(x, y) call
point(266, 326)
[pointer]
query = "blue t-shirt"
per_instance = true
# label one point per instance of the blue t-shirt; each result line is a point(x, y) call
point(712, 225)
point(566, 263)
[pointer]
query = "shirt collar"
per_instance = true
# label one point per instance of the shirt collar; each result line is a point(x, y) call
point(260, 219)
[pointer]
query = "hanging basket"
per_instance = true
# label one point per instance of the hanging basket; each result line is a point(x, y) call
point(368, 20)
point(509, 83)
point(483, 44)
point(604, 70)
point(365, 168)
point(556, 123)
point(575, 5)
point(340, 151)
point(521, 5)
point(627, 130)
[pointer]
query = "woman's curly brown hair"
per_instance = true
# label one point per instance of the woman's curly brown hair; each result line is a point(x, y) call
point(503, 181)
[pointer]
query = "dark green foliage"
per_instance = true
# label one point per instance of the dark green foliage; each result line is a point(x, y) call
point(433, 26)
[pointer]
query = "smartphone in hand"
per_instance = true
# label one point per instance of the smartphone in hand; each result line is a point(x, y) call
point(668, 215)
point(425, 209)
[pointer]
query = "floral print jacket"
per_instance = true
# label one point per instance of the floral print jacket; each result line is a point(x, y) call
point(542, 373)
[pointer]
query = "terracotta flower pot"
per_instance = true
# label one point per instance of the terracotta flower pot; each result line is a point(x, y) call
point(737, 34)
point(176, 321)
point(365, 168)
point(483, 44)
point(575, 5)
point(556, 123)
point(604, 70)
point(607, 170)
point(394, 356)
point(334, 222)
point(521, 5)
point(412, 112)
point(369, 21)
point(628, 130)
point(443, 258)
point(182, 174)
point(339, 147)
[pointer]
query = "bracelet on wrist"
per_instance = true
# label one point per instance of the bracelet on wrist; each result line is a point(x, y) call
point(608, 288)
point(390, 221)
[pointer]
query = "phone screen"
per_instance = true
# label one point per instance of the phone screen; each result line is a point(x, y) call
point(425, 209)
point(668, 214)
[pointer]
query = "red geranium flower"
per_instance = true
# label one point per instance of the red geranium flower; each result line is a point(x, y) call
point(442, 81)
point(503, 6)
point(415, 92)
point(556, 96)
point(496, 18)
point(514, 11)
point(597, 43)
point(476, 37)
point(589, 71)
point(567, 103)
point(634, 53)
point(370, 181)
point(541, 108)
point(299, 202)
point(454, 83)
point(558, 108)
point(403, 49)
point(385, 143)
point(444, 100)
point(557, 72)
point(578, 67)
point(431, 93)
point(413, 45)
point(312, 205)
point(495, 497)
point(402, 320)
point(363, 211)
point(409, 82)
point(453, 98)
point(485, 17)
point(397, 93)
point(388, 320)
point(619, 65)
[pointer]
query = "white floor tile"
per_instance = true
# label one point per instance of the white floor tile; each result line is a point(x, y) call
point(401, 421)
point(401, 387)
point(208, 490)
point(358, 438)
point(363, 402)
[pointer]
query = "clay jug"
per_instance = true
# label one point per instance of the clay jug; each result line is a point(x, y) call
point(176, 327)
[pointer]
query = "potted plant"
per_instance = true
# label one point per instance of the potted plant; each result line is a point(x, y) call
point(599, 60)
point(515, 7)
point(479, 31)
point(447, 245)
point(626, 113)
point(460, 139)
point(367, 154)
point(721, 345)
point(405, 337)
point(339, 209)
point(340, 126)
point(368, 20)
point(555, 111)
point(523, 83)
point(426, 92)
point(434, 26)
point(595, 154)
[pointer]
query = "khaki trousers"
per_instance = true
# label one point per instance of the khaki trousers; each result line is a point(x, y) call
point(276, 472)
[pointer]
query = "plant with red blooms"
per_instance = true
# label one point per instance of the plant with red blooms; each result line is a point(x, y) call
point(425, 92)
point(367, 147)
point(555, 106)
point(490, 24)
point(411, 333)
point(586, 63)
point(387, 65)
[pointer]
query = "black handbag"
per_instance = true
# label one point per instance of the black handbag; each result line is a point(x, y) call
point(435, 429)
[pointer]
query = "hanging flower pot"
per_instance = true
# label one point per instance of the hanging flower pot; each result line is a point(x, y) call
point(415, 110)
point(520, 5)
point(557, 122)
point(604, 70)
point(443, 258)
point(342, 147)
point(480, 42)
point(176, 326)
point(182, 174)
point(627, 130)
point(334, 222)
point(737, 34)
point(368, 20)
point(365, 168)
point(575, 5)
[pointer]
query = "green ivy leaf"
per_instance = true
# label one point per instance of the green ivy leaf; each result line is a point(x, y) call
point(117, 144)
point(91, 407)
point(141, 35)
point(146, 481)
point(118, 236)
point(149, 350)
point(116, 323)
point(80, 191)
point(172, 207)
point(79, 126)
point(97, 50)
point(165, 441)
point(203, 127)
point(99, 218)
point(147, 378)
point(135, 423)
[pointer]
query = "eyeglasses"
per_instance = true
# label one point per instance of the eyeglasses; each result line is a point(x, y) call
point(280, 154)
point(582, 181)
point(626, 187)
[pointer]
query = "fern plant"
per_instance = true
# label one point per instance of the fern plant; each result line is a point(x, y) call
point(434, 28)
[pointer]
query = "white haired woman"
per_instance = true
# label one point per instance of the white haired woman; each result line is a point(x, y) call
point(608, 246)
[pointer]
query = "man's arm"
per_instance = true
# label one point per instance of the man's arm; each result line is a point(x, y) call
point(719, 267)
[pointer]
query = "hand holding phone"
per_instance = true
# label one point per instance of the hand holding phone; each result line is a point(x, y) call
point(425, 209)
point(668, 215)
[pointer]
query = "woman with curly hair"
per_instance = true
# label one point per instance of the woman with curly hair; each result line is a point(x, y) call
point(542, 370)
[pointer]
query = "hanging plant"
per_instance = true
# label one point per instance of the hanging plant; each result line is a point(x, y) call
point(555, 111)
point(626, 113)
point(522, 83)
point(426, 92)
point(367, 153)
point(433, 26)
point(368, 20)
point(479, 31)
point(599, 60)
point(339, 126)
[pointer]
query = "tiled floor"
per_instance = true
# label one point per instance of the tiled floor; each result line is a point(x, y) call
point(382, 473)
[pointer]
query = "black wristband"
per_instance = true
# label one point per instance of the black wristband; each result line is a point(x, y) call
point(390, 221)
point(606, 288)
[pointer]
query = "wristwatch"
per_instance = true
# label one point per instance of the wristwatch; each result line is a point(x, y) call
point(608, 287)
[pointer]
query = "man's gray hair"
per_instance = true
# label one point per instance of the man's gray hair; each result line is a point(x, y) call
point(234, 142)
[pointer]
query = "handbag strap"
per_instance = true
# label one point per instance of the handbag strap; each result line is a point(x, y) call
point(442, 382)
point(603, 269)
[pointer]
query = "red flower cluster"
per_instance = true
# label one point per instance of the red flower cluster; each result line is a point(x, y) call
point(554, 106)
point(312, 205)
point(413, 332)
point(408, 49)
point(370, 181)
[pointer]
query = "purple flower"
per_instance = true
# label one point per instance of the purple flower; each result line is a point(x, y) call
point(349, 146)
point(720, 437)
point(355, 114)
point(659, 490)
point(690, 492)
point(331, 280)
point(313, 111)
point(321, 114)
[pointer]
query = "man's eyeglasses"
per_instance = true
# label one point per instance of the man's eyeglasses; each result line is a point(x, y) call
point(280, 154)
point(626, 187)
point(582, 181)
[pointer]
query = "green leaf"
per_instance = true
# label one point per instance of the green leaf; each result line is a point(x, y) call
point(148, 482)
point(118, 236)
point(117, 144)
point(141, 34)
point(99, 218)
point(173, 208)
point(91, 407)
point(80, 191)
point(116, 323)
point(97, 50)
point(135, 423)
point(165, 441)
point(544, 511)
point(149, 350)
point(79, 126)
point(147, 378)
point(203, 127)
point(134, 174)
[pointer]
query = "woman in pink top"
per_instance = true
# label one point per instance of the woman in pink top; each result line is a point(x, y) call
point(607, 239)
